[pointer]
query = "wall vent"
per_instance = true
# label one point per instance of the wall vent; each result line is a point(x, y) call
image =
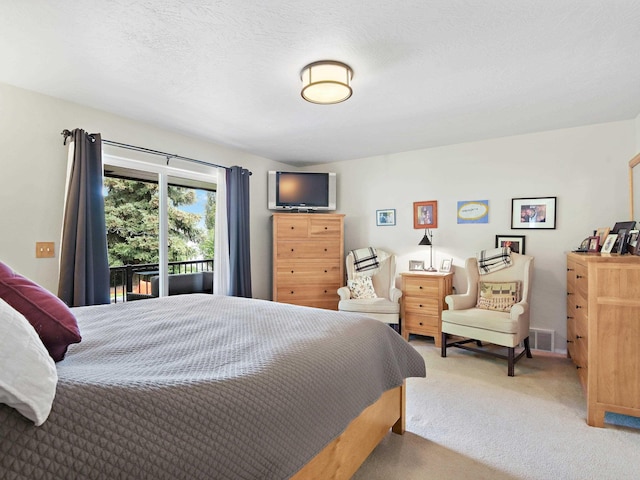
point(542, 339)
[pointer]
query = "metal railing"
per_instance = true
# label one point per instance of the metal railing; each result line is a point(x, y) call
point(131, 278)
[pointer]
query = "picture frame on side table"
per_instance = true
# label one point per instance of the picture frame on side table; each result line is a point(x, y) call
point(386, 218)
point(607, 246)
point(425, 214)
point(416, 265)
point(533, 212)
point(445, 266)
point(515, 242)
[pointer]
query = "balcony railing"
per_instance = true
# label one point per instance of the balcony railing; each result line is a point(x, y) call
point(133, 278)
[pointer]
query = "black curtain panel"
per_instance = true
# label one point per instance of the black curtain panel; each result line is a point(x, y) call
point(84, 264)
point(239, 235)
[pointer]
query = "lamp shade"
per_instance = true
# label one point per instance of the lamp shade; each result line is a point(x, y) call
point(326, 82)
point(425, 240)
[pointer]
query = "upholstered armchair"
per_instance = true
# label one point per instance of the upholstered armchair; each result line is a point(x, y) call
point(378, 298)
point(488, 315)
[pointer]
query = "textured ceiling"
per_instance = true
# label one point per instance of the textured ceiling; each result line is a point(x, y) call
point(426, 73)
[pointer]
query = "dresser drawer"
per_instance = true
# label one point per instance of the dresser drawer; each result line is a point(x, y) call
point(414, 286)
point(423, 306)
point(415, 322)
point(325, 227)
point(319, 249)
point(292, 227)
point(308, 273)
point(292, 293)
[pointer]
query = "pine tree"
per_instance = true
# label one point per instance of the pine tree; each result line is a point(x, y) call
point(131, 211)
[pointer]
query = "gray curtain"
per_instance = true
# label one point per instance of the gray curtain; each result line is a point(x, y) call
point(239, 235)
point(84, 264)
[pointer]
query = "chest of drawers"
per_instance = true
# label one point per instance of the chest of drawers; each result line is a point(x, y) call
point(603, 331)
point(422, 303)
point(308, 258)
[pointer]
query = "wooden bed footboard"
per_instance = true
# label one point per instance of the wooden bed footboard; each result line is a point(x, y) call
point(344, 455)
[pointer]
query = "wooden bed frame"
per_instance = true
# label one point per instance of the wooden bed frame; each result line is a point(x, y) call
point(344, 455)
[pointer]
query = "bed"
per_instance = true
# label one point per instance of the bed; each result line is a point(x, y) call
point(206, 386)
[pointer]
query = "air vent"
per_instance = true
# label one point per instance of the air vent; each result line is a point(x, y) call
point(542, 339)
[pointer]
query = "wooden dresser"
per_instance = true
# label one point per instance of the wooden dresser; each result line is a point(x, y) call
point(603, 331)
point(422, 303)
point(308, 258)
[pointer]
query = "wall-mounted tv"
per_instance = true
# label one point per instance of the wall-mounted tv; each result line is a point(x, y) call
point(301, 191)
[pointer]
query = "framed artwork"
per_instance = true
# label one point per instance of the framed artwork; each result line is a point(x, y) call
point(620, 246)
point(626, 226)
point(602, 233)
point(386, 217)
point(473, 211)
point(416, 265)
point(594, 244)
point(536, 212)
point(425, 214)
point(632, 246)
point(515, 242)
point(446, 265)
point(607, 246)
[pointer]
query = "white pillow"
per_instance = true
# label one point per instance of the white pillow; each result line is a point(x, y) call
point(361, 287)
point(28, 375)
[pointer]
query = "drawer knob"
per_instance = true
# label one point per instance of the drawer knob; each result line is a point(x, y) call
point(291, 271)
point(326, 271)
point(420, 287)
point(569, 293)
point(578, 307)
point(292, 249)
point(420, 323)
point(569, 341)
point(569, 269)
point(325, 291)
point(578, 367)
point(292, 228)
point(579, 276)
point(326, 228)
point(569, 317)
point(420, 305)
point(578, 337)
point(326, 249)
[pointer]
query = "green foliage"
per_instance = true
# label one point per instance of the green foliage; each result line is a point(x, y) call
point(132, 209)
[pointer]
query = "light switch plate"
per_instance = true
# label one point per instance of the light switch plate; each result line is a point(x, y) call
point(45, 249)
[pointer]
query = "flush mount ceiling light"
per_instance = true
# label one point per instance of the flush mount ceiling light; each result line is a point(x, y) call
point(326, 82)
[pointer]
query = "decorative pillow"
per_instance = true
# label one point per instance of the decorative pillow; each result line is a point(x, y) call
point(28, 375)
point(361, 287)
point(52, 319)
point(499, 296)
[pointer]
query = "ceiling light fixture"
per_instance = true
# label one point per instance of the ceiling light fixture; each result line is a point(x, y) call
point(326, 82)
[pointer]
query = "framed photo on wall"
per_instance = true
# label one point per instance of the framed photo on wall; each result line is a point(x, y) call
point(386, 217)
point(535, 212)
point(425, 214)
point(515, 242)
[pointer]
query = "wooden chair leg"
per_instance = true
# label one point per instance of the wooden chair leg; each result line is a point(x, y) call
point(511, 370)
point(526, 347)
point(443, 345)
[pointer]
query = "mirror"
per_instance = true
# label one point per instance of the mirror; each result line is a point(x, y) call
point(634, 200)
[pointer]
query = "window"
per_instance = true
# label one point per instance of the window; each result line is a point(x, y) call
point(160, 221)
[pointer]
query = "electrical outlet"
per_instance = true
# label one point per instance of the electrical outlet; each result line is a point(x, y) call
point(45, 249)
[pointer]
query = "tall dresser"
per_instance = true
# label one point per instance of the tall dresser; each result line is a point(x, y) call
point(308, 258)
point(603, 331)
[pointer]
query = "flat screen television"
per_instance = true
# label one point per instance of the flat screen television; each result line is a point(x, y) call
point(301, 191)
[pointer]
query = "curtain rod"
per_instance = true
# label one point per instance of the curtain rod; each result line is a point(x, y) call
point(67, 133)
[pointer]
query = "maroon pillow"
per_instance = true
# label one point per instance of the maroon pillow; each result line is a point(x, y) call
point(52, 319)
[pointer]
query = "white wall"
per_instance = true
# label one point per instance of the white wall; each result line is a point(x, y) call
point(585, 168)
point(33, 168)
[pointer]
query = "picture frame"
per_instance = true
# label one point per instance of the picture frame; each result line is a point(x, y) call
point(626, 226)
point(534, 212)
point(416, 265)
point(609, 242)
point(602, 232)
point(515, 242)
point(594, 244)
point(620, 245)
point(425, 214)
point(386, 217)
point(446, 264)
point(632, 246)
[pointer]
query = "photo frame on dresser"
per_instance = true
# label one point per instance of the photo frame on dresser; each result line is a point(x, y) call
point(609, 243)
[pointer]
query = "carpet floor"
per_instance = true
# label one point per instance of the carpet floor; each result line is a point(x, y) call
point(468, 419)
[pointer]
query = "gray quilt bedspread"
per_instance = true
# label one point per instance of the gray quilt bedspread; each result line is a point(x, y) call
point(204, 387)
